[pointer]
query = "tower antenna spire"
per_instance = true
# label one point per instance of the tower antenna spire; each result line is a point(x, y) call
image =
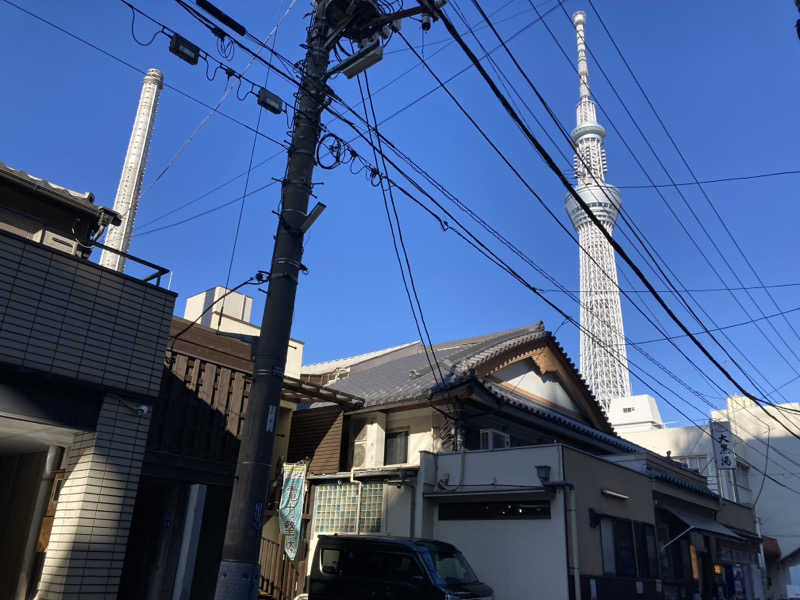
point(579, 20)
point(604, 361)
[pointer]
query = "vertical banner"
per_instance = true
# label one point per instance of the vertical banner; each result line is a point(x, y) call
point(723, 445)
point(290, 511)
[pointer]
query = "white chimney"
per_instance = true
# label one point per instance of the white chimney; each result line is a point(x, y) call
point(130, 184)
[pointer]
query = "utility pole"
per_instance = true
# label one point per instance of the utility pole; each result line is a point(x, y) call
point(238, 576)
point(364, 23)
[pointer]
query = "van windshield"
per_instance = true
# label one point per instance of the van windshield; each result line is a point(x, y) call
point(451, 566)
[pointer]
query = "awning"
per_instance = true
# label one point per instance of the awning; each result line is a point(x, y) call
point(701, 523)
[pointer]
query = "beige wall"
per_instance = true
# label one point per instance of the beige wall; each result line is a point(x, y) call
point(397, 502)
point(591, 475)
point(736, 515)
point(419, 425)
point(507, 555)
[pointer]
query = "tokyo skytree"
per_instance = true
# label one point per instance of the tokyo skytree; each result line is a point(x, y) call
point(604, 360)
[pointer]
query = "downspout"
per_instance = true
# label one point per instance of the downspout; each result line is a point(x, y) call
point(358, 502)
point(572, 518)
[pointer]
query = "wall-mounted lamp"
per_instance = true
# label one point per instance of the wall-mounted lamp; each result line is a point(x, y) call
point(543, 473)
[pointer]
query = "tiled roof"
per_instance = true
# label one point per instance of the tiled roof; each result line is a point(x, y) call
point(84, 201)
point(404, 373)
point(331, 365)
point(520, 401)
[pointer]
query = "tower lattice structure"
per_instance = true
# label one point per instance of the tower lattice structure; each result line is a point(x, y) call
point(126, 202)
point(603, 358)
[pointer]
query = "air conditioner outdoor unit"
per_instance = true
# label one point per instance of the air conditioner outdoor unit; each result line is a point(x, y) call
point(60, 242)
point(369, 439)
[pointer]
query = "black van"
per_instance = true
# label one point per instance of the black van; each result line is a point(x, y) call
point(391, 568)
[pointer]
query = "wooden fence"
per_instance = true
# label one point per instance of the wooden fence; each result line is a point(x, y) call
point(281, 578)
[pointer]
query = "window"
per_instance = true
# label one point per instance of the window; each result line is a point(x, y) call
point(396, 452)
point(336, 505)
point(629, 548)
point(329, 560)
point(627, 409)
point(494, 511)
point(492, 439)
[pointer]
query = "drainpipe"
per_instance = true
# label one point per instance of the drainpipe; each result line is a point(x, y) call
point(572, 516)
point(358, 502)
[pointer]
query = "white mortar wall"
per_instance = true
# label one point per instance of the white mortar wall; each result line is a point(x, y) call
point(523, 376)
point(518, 559)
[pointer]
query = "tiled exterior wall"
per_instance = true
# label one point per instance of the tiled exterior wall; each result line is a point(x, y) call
point(70, 317)
point(93, 515)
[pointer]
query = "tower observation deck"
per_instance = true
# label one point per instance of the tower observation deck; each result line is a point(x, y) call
point(603, 356)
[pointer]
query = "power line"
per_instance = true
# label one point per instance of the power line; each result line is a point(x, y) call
point(136, 69)
point(669, 207)
point(486, 252)
point(590, 215)
point(706, 181)
point(274, 35)
point(683, 226)
point(626, 219)
point(432, 358)
point(724, 327)
point(691, 171)
point(205, 212)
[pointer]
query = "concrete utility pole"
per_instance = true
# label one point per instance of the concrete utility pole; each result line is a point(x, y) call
point(239, 570)
point(364, 23)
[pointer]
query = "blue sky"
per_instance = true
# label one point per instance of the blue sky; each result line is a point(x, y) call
point(724, 81)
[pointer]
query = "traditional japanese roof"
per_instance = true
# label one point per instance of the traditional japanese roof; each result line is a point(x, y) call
point(341, 363)
point(82, 201)
point(403, 372)
point(519, 401)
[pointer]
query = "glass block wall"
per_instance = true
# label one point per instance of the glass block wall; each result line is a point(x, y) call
point(336, 505)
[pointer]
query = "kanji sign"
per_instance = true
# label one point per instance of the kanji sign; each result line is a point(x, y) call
point(723, 445)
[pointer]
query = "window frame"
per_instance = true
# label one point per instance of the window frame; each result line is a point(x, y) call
point(490, 433)
point(395, 432)
point(643, 538)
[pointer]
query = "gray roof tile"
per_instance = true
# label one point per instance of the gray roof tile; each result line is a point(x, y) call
point(405, 373)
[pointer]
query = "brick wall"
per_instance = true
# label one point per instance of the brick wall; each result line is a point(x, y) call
point(93, 515)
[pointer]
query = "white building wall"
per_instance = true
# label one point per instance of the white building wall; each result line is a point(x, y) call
point(635, 413)
point(774, 508)
point(517, 558)
point(524, 376)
